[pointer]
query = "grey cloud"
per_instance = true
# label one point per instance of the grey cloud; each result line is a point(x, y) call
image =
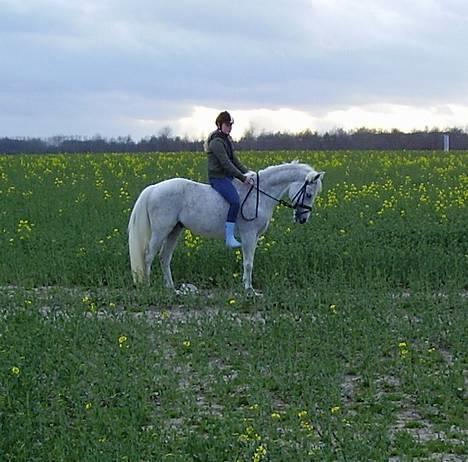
point(150, 59)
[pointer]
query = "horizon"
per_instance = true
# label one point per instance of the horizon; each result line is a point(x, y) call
point(167, 132)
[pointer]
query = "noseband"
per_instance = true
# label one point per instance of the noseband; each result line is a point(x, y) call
point(296, 203)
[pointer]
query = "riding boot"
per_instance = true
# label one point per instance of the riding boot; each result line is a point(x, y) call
point(231, 241)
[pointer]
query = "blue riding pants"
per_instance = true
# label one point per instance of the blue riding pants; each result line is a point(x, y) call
point(225, 187)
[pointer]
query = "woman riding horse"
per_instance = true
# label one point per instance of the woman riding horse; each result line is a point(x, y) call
point(223, 167)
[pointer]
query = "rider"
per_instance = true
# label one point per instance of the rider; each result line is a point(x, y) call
point(223, 167)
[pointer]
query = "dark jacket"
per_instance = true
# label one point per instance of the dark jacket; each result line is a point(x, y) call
point(222, 161)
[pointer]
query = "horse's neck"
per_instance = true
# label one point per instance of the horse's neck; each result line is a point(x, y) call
point(276, 180)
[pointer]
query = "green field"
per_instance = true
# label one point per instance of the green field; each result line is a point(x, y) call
point(356, 351)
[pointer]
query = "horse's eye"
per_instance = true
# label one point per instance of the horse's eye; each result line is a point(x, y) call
point(309, 196)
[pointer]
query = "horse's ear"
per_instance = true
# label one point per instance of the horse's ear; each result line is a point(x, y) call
point(318, 176)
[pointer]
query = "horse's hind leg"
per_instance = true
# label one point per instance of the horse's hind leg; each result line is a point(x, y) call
point(154, 245)
point(167, 251)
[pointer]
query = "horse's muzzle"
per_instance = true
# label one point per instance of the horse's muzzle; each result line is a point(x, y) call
point(301, 220)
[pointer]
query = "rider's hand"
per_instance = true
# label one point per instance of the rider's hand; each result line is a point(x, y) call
point(250, 178)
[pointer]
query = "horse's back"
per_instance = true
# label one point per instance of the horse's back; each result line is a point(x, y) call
point(179, 195)
point(195, 205)
point(172, 188)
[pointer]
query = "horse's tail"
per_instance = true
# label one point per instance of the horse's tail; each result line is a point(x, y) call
point(139, 234)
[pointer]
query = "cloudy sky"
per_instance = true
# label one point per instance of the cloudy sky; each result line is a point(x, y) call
point(133, 67)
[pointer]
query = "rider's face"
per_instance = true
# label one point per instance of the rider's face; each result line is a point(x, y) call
point(226, 127)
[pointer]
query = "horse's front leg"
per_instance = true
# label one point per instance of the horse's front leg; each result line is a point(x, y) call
point(249, 243)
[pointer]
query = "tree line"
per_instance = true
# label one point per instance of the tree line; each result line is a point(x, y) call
point(362, 139)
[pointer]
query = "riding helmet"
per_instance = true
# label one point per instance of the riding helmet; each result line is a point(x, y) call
point(224, 117)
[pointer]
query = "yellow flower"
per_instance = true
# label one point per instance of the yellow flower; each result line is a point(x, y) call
point(404, 349)
point(232, 301)
point(333, 309)
point(250, 434)
point(123, 341)
point(302, 414)
point(307, 426)
point(88, 406)
point(186, 343)
point(275, 416)
point(15, 370)
point(404, 353)
point(260, 453)
point(335, 409)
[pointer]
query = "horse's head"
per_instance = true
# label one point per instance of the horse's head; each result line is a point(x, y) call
point(302, 195)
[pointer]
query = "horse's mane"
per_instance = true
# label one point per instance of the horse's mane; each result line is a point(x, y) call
point(303, 166)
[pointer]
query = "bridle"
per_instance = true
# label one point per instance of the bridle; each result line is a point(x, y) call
point(296, 203)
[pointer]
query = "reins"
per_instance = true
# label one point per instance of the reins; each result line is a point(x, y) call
point(299, 196)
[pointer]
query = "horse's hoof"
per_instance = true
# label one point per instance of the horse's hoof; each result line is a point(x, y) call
point(187, 289)
point(253, 293)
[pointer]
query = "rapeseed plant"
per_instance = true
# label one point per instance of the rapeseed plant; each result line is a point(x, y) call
point(15, 370)
point(24, 229)
point(260, 453)
point(403, 350)
point(123, 341)
point(250, 434)
point(89, 304)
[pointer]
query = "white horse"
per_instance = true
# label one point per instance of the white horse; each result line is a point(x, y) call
point(164, 209)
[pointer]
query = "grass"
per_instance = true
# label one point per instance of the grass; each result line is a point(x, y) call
point(355, 352)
